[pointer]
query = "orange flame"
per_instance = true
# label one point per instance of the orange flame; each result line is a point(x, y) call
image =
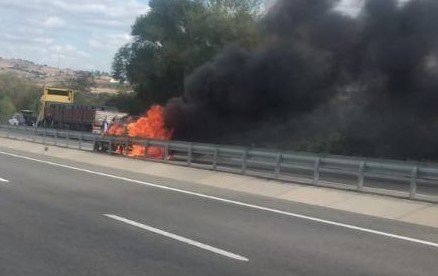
point(150, 126)
point(116, 130)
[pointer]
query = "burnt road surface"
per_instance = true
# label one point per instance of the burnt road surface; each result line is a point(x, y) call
point(63, 218)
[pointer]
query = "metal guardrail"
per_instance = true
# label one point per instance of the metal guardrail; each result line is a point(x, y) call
point(411, 180)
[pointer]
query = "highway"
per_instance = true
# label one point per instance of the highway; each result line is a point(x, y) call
point(61, 218)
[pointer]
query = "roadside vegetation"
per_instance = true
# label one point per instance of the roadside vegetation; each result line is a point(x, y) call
point(17, 93)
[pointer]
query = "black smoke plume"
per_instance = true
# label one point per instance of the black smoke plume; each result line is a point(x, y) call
point(365, 84)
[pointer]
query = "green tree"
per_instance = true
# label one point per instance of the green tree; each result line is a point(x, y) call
point(22, 93)
point(120, 62)
point(126, 102)
point(176, 37)
point(7, 108)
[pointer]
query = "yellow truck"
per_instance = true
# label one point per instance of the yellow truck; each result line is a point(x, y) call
point(58, 110)
point(52, 95)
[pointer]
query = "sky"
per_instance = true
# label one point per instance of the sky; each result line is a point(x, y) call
point(78, 34)
point(84, 34)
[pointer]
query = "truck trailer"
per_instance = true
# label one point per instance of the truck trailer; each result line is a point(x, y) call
point(79, 117)
point(58, 110)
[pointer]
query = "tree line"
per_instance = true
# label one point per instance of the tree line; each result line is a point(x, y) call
point(17, 94)
point(176, 37)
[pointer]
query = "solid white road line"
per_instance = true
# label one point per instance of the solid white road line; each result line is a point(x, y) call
point(4, 180)
point(179, 238)
point(238, 203)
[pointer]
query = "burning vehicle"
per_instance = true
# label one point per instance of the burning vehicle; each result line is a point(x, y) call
point(123, 135)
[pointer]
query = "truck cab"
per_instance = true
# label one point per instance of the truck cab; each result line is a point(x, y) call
point(24, 117)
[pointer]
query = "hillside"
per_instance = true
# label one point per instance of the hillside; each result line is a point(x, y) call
point(43, 74)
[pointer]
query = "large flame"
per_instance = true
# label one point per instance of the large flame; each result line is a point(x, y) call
point(150, 126)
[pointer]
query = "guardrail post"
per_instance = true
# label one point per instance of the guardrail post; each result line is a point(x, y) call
point(215, 155)
point(361, 176)
point(127, 146)
point(67, 143)
point(166, 152)
point(413, 188)
point(244, 161)
point(56, 137)
point(146, 147)
point(190, 155)
point(278, 166)
point(81, 137)
point(23, 135)
point(95, 145)
point(110, 144)
point(316, 171)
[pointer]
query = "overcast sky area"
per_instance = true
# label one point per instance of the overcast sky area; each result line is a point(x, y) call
point(85, 33)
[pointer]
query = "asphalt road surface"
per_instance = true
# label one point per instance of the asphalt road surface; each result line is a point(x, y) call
point(60, 218)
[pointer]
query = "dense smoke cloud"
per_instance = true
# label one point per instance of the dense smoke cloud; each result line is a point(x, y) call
point(371, 79)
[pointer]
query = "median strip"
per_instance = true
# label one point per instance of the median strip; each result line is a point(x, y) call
point(179, 238)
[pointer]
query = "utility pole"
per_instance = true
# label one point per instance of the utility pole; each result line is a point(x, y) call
point(58, 61)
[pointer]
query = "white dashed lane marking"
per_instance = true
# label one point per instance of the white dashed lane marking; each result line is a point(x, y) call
point(179, 238)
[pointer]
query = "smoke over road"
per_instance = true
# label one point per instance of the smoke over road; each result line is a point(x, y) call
point(363, 85)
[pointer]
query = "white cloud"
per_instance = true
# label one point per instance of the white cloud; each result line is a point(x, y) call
point(43, 40)
point(354, 7)
point(110, 41)
point(53, 22)
point(85, 32)
point(350, 7)
point(105, 23)
point(9, 37)
point(69, 51)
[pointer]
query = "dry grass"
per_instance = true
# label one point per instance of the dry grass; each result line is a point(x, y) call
point(41, 74)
